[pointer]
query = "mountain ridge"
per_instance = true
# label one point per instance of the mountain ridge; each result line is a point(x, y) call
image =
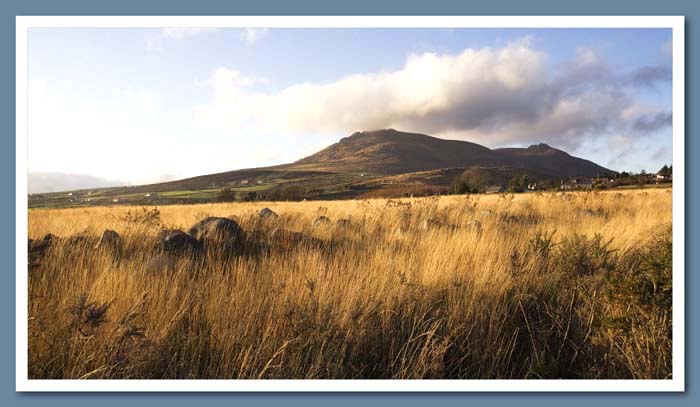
point(394, 152)
point(368, 160)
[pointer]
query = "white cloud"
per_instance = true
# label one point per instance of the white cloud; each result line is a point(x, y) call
point(253, 35)
point(494, 96)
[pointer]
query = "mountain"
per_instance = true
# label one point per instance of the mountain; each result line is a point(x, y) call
point(393, 152)
point(360, 163)
point(548, 160)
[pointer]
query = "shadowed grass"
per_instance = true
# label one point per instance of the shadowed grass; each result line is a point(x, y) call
point(547, 286)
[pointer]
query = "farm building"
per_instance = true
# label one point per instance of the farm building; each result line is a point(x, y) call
point(577, 183)
point(495, 189)
point(663, 178)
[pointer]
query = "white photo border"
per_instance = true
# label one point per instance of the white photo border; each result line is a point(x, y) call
point(676, 384)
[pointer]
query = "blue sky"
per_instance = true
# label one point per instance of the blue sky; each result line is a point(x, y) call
point(146, 105)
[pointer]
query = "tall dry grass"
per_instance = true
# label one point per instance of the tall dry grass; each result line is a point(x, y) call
point(525, 286)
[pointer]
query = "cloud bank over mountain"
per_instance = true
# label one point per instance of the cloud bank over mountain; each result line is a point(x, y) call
point(497, 96)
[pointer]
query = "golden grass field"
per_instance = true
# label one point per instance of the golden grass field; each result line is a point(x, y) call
point(537, 285)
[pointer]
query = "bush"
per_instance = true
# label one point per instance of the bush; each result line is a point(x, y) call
point(580, 255)
point(144, 217)
point(646, 283)
point(225, 195)
point(638, 326)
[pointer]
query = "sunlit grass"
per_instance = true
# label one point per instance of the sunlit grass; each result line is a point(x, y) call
point(509, 286)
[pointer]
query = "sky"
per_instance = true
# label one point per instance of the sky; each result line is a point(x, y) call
point(138, 106)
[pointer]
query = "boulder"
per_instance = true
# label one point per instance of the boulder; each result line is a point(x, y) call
point(267, 213)
point(79, 242)
point(38, 248)
point(109, 240)
point(177, 242)
point(215, 230)
point(163, 233)
point(163, 262)
point(286, 239)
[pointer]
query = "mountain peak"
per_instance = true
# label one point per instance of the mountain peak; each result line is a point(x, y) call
point(540, 147)
point(378, 132)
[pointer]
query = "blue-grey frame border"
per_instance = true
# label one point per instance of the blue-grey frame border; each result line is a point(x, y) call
point(9, 9)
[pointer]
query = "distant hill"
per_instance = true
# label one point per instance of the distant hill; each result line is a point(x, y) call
point(40, 182)
point(373, 159)
point(548, 160)
point(394, 152)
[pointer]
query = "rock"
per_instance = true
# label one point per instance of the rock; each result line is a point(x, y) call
point(49, 238)
point(286, 239)
point(217, 230)
point(109, 240)
point(163, 233)
point(78, 242)
point(267, 213)
point(343, 222)
point(38, 248)
point(321, 221)
point(178, 242)
point(160, 263)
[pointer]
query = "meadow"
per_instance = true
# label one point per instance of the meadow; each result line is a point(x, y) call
point(536, 285)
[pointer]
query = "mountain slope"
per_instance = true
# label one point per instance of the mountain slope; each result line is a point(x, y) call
point(551, 161)
point(394, 152)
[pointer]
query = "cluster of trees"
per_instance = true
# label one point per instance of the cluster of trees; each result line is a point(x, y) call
point(473, 180)
point(288, 193)
point(478, 179)
point(641, 178)
point(518, 184)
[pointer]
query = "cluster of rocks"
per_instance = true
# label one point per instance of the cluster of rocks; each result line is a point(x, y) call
point(324, 221)
point(222, 234)
point(212, 231)
point(432, 223)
